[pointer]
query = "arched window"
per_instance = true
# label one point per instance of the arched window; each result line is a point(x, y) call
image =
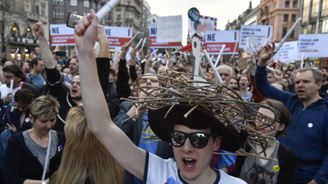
point(14, 30)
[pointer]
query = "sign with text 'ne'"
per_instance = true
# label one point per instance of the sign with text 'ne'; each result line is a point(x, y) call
point(169, 29)
point(117, 36)
point(288, 52)
point(153, 39)
point(252, 37)
point(214, 40)
point(61, 35)
point(313, 45)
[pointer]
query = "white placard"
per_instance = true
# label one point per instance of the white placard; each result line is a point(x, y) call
point(169, 29)
point(214, 40)
point(153, 39)
point(252, 37)
point(313, 45)
point(288, 52)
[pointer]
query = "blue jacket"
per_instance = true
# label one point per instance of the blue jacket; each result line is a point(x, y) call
point(307, 134)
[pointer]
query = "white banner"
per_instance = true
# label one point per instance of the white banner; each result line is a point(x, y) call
point(153, 39)
point(288, 52)
point(214, 40)
point(313, 45)
point(169, 29)
point(252, 37)
point(117, 36)
point(61, 35)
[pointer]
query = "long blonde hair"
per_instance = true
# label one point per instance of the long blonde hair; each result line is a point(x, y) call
point(84, 156)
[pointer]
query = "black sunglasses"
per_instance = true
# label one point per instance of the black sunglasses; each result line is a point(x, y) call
point(197, 139)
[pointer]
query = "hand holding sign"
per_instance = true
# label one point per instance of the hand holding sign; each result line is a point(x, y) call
point(265, 54)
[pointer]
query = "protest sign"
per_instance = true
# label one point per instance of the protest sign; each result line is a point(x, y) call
point(169, 29)
point(288, 52)
point(313, 45)
point(117, 36)
point(61, 35)
point(214, 40)
point(153, 39)
point(252, 37)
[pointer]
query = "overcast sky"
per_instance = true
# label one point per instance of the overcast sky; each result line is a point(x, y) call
point(223, 10)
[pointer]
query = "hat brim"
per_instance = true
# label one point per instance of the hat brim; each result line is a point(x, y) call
point(162, 123)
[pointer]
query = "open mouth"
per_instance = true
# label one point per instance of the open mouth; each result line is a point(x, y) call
point(189, 163)
point(74, 92)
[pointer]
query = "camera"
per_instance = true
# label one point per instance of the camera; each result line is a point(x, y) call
point(72, 19)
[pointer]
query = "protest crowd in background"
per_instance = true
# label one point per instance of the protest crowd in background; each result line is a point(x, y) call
point(40, 94)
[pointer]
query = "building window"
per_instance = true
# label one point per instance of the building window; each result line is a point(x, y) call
point(287, 4)
point(118, 17)
point(44, 9)
point(86, 4)
point(285, 17)
point(58, 14)
point(315, 8)
point(325, 8)
point(27, 6)
point(73, 2)
point(295, 3)
point(293, 17)
point(58, 2)
point(306, 11)
point(284, 32)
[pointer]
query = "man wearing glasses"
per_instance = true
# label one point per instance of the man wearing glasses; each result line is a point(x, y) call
point(194, 137)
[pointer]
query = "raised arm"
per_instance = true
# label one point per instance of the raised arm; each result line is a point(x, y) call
point(99, 122)
point(45, 51)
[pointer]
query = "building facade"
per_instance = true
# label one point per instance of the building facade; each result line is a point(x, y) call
point(281, 14)
point(248, 17)
point(315, 16)
point(16, 23)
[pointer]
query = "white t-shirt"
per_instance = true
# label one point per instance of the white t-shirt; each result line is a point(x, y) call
point(164, 171)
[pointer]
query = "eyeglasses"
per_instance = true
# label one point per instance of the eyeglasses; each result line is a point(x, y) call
point(197, 139)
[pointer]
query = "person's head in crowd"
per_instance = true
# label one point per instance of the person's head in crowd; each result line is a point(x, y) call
point(233, 84)
point(13, 72)
point(226, 72)
point(8, 62)
point(26, 67)
point(75, 90)
point(282, 119)
point(90, 161)
point(308, 82)
point(73, 66)
point(270, 76)
point(324, 71)
point(23, 99)
point(243, 82)
point(147, 83)
point(37, 65)
point(195, 133)
point(43, 114)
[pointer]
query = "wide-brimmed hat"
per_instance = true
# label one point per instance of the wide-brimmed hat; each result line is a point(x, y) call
point(163, 120)
point(200, 105)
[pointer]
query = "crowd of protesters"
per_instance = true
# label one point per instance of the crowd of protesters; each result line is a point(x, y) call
point(43, 99)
